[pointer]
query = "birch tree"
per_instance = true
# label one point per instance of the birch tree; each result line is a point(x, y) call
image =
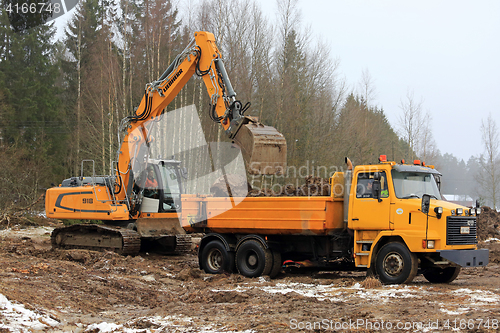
point(411, 123)
point(366, 86)
point(488, 176)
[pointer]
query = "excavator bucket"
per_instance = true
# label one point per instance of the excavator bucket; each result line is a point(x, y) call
point(263, 148)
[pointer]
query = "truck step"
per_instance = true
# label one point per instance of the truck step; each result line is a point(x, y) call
point(363, 253)
point(364, 242)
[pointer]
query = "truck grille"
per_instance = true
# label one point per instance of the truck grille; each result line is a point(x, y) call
point(456, 230)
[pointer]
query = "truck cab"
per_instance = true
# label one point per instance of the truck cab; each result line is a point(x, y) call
point(396, 232)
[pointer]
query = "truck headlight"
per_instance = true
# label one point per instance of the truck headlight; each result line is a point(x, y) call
point(478, 210)
point(438, 211)
point(460, 211)
point(428, 244)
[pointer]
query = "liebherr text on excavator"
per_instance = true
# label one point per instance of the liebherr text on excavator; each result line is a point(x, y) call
point(150, 211)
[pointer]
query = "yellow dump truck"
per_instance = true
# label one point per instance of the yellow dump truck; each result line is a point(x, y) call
point(388, 218)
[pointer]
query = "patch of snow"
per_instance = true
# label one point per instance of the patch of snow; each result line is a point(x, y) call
point(263, 279)
point(19, 319)
point(456, 312)
point(149, 278)
point(104, 327)
point(479, 296)
point(239, 289)
point(333, 293)
point(492, 240)
point(174, 323)
point(27, 232)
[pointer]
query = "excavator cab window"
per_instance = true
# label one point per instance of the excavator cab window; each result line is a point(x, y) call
point(170, 187)
point(151, 184)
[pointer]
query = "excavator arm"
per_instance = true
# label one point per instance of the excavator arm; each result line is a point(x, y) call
point(263, 147)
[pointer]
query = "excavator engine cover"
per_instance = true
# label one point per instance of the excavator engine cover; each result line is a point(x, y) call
point(263, 148)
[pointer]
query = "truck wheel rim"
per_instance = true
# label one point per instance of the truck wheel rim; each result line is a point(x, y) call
point(393, 264)
point(215, 259)
point(252, 260)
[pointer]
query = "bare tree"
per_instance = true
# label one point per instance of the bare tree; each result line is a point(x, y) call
point(426, 148)
point(489, 162)
point(366, 86)
point(411, 123)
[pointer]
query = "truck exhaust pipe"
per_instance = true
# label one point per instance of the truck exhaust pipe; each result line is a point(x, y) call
point(347, 189)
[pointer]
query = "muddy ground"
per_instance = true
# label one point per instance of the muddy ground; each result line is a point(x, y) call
point(47, 290)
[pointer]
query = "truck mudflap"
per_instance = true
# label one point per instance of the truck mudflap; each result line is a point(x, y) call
point(467, 258)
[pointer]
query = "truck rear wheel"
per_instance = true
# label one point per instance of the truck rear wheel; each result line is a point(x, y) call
point(395, 264)
point(277, 264)
point(253, 260)
point(441, 275)
point(215, 259)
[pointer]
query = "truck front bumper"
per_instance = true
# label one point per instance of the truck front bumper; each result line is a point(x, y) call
point(467, 258)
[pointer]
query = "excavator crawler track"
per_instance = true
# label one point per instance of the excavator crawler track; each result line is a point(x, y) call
point(182, 244)
point(98, 238)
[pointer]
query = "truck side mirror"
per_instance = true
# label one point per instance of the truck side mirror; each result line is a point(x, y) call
point(376, 190)
point(426, 202)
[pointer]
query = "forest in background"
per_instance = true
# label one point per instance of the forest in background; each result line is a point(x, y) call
point(61, 101)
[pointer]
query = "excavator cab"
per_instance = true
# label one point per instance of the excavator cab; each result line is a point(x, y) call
point(159, 187)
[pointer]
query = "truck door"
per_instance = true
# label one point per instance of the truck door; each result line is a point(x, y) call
point(366, 211)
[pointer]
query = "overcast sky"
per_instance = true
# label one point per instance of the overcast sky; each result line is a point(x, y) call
point(446, 51)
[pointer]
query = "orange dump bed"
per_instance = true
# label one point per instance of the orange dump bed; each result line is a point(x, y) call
point(263, 215)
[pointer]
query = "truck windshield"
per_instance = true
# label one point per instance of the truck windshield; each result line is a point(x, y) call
point(414, 185)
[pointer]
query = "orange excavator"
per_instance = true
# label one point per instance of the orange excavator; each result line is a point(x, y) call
point(137, 206)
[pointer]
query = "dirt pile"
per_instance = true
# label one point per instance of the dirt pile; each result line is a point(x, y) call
point(488, 223)
point(230, 185)
point(314, 186)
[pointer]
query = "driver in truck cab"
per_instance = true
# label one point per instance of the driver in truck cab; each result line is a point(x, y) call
point(365, 187)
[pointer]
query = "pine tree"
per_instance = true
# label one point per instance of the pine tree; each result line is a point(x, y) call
point(33, 128)
point(96, 79)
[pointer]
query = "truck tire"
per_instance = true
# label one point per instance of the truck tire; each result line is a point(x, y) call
point(215, 259)
point(277, 264)
point(441, 275)
point(395, 264)
point(253, 260)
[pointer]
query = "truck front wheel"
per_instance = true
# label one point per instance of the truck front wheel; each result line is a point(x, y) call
point(253, 260)
point(441, 275)
point(215, 259)
point(395, 264)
